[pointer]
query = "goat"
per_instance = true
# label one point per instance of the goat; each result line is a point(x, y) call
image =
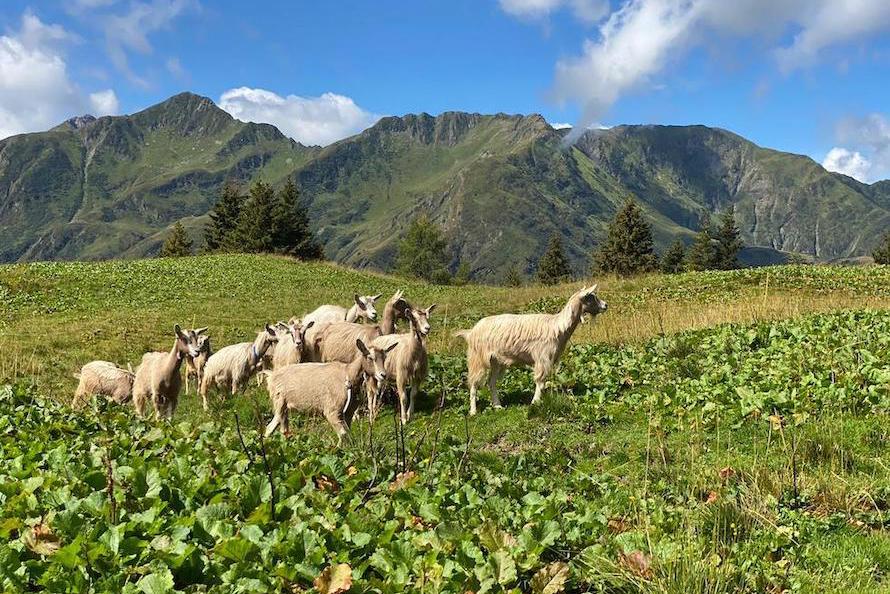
point(363, 308)
point(290, 345)
point(407, 365)
point(231, 366)
point(194, 366)
point(158, 379)
point(335, 340)
point(328, 389)
point(537, 340)
point(105, 379)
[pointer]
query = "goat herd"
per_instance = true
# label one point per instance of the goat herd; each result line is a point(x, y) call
point(325, 361)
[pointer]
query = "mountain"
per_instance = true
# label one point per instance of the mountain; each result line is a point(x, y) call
point(499, 185)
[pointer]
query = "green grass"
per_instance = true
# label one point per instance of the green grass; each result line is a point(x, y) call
point(742, 450)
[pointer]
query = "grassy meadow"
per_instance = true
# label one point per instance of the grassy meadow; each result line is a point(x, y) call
point(712, 432)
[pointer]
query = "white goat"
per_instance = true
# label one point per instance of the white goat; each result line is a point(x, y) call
point(335, 341)
point(362, 309)
point(158, 379)
point(329, 389)
point(407, 365)
point(194, 366)
point(537, 340)
point(231, 367)
point(105, 379)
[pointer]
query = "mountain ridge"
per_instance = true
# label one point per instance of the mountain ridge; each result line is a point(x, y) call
point(498, 184)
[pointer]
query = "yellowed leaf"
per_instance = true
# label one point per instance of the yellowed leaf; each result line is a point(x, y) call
point(335, 579)
point(550, 579)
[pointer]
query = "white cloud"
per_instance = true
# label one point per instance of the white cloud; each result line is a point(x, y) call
point(310, 120)
point(36, 91)
point(560, 125)
point(641, 38)
point(848, 162)
point(588, 11)
point(174, 67)
point(129, 31)
point(104, 103)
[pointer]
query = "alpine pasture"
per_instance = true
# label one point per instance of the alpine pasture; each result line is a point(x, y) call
point(710, 432)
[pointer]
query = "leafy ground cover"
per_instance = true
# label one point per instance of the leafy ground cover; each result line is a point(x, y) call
point(743, 457)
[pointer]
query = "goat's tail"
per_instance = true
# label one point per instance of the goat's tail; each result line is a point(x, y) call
point(462, 334)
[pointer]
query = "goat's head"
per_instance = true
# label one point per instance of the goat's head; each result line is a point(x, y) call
point(297, 330)
point(267, 337)
point(420, 319)
point(184, 344)
point(366, 306)
point(399, 305)
point(590, 303)
point(200, 340)
point(374, 359)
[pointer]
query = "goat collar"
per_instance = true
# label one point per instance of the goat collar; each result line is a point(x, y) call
point(256, 354)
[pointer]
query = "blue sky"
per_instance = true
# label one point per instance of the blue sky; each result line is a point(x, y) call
point(807, 76)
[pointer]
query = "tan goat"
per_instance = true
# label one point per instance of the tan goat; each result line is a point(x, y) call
point(231, 367)
point(194, 366)
point(362, 309)
point(104, 379)
point(330, 389)
point(407, 365)
point(536, 340)
point(336, 341)
point(158, 378)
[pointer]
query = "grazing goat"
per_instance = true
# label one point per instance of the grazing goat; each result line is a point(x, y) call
point(158, 379)
point(290, 345)
point(231, 366)
point(329, 389)
point(407, 365)
point(538, 340)
point(105, 379)
point(335, 341)
point(194, 366)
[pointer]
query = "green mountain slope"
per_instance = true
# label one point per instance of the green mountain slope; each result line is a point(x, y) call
point(499, 185)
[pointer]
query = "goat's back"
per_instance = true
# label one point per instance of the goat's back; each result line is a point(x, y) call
point(326, 313)
point(227, 359)
point(512, 335)
point(309, 387)
point(336, 341)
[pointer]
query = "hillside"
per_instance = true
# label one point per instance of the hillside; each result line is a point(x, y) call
point(499, 185)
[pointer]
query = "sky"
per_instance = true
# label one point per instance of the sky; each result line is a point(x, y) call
point(805, 76)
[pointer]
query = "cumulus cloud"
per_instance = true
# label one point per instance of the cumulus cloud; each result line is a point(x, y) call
point(866, 151)
point(310, 120)
point(560, 125)
point(848, 162)
point(36, 91)
point(128, 31)
point(588, 11)
point(640, 38)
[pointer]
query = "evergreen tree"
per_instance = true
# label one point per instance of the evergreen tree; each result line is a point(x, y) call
point(729, 243)
point(177, 243)
point(256, 224)
point(291, 233)
point(702, 254)
point(882, 252)
point(513, 278)
point(553, 267)
point(672, 261)
point(628, 248)
point(422, 252)
point(223, 218)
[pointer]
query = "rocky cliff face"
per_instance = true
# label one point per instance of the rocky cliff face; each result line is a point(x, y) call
point(499, 185)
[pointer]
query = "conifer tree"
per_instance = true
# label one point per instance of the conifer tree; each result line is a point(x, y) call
point(422, 252)
point(703, 253)
point(628, 248)
point(729, 243)
point(177, 243)
point(223, 219)
point(256, 224)
point(291, 233)
point(462, 275)
point(553, 267)
point(882, 252)
point(672, 261)
point(513, 278)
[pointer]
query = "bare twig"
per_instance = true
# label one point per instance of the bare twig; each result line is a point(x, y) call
point(241, 438)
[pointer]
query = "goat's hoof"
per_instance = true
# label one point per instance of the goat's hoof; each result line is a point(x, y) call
point(497, 406)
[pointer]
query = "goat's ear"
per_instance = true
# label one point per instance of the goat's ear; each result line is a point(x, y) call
point(430, 309)
point(178, 331)
point(390, 347)
point(270, 329)
point(358, 301)
point(593, 288)
point(309, 325)
point(201, 330)
point(376, 297)
point(361, 346)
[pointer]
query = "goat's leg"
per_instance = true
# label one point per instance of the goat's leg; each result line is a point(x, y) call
point(541, 373)
point(413, 399)
point(494, 374)
point(333, 417)
point(276, 418)
point(475, 373)
point(402, 391)
point(157, 405)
